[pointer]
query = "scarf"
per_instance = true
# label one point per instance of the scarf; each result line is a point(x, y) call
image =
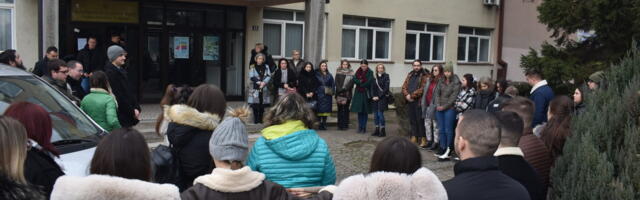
point(362, 76)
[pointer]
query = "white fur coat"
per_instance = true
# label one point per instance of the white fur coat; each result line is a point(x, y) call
point(101, 187)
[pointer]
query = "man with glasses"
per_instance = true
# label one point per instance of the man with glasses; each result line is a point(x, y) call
point(74, 78)
point(58, 78)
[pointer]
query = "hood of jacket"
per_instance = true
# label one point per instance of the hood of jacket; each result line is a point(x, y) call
point(185, 115)
point(233, 181)
point(110, 187)
point(422, 184)
point(291, 142)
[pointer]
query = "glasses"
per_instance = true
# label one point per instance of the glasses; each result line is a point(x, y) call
point(64, 71)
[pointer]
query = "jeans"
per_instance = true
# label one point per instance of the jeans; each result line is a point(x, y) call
point(362, 120)
point(378, 117)
point(85, 84)
point(446, 118)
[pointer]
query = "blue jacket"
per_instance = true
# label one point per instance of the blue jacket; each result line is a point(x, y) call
point(325, 101)
point(541, 98)
point(298, 159)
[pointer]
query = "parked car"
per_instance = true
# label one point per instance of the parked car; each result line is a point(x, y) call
point(75, 134)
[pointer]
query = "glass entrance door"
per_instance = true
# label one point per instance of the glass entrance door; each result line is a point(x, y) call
point(152, 86)
point(234, 73)
point(212, 59)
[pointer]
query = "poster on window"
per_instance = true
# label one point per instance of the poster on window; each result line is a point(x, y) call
point(81, 43)
point(181, 47)
point(211, 48)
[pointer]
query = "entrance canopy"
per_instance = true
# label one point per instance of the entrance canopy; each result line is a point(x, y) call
point(257, 3)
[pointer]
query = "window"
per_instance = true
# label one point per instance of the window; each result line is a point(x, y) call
point(474, 44)
point(366, 38)
point(283, 32)
point(425, 42)
point(7, 25)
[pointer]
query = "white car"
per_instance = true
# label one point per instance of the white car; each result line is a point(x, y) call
point(75, 134)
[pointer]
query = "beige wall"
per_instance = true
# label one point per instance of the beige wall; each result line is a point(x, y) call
point(522, 31)
point(27, 31)
point(451, 13)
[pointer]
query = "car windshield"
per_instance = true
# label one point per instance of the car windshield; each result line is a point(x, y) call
point(68, 121)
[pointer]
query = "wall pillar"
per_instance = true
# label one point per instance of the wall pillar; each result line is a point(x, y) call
point(50, 23)
point(314, 29)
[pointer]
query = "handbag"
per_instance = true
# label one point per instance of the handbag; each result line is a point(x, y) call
point(390, 98)
point(328, 91)
point(166, 165)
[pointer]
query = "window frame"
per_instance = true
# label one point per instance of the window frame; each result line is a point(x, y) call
point(480, 38)
point(11, 8)
point(432, 33)
point(375, 31)
point(283, 32)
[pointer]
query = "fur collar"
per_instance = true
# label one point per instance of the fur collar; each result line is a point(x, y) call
point(233, 181)
point(185, 115)
point(111, 187)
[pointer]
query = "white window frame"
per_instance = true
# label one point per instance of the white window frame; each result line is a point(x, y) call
point(466, 48)
point(11, 7)
point(283, 33)
point(375, 31)
point(417, 45)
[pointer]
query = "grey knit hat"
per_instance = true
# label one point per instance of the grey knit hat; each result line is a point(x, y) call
point(230, 140)
point(114, 51)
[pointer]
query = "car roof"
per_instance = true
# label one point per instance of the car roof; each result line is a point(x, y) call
point(6, 70)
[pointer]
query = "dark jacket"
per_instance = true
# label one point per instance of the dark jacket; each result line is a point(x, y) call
point(41, 170)
point(92, 59)
point(580, 108)
point(537, 154)
point(483, 98)
point(361, 101)
point(121, 88)
point(307, 82)
point(513, 165)
point(76, 88)
point(541, 98)
point(380, 88)
point(41, 69)
point(446, 94)
point(496, 104)
point(189, 132)
point(344, 83)
point(238, 184)
point(268, 59)
point(296, 68)
point(325, 101)
point(63, 87)
point(12, 190)
point(479, 179)
point(291, 78)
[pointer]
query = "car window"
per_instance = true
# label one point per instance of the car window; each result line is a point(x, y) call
point(68, 122)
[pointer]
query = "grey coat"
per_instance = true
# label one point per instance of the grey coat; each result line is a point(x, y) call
point(446, 94)
point(426, 106)
point(253, 96)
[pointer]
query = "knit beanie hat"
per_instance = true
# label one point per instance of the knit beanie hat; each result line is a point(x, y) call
point(448, 67)
point(597, 76)
point(230, 140)
point(114, 51)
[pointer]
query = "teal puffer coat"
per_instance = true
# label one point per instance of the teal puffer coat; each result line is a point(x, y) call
point(300, 159)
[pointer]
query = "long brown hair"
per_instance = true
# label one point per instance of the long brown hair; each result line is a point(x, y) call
point(289, 107)
point(440, 72)
point(208, 98)
point(558, 128)
point(99, 80)
point(123, 153)
point(172, 95)
point(13, 148)
point(396, 154)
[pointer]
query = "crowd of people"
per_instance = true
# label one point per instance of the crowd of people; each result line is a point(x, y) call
point(505, 144)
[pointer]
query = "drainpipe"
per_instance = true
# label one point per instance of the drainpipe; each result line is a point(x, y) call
point(502, 73)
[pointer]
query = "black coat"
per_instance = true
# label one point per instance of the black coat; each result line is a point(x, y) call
point(41, 68)
point(380, 92)
point(519, 169)
point(76, 88)
point(124, 95)
point(480, 179)
point(268, 60)
point(307, 82)
point(192, 145)
point(41, 170)
point(297, 68)
point(92, 60)
point(11, 189)
point(483, 98)
point(291, 79)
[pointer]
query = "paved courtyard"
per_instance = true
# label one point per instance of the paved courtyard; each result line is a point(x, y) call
point(351, 151)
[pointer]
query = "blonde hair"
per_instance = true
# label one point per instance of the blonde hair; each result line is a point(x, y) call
point(289, 107)
point(13, 148)
point(384, 69)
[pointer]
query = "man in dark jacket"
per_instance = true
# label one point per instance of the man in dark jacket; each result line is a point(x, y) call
point(59, 71)
point(477, 175)
point(534, 150)
point(76, 73)
point(128, 108)
point(296, 63)
point(541, 95)
point(412, 91)
point(260, 48)
point(41, 68)
point(92, 59)
point(511, 158)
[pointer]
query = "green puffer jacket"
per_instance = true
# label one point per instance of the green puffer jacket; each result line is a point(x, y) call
point(102, 108)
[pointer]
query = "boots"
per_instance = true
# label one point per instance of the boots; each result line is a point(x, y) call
point(423, 143)
point(383, 133)
point(434, 146)
point(377, 132)
point(445, 156)
point(414, 139)
point(323, 123)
